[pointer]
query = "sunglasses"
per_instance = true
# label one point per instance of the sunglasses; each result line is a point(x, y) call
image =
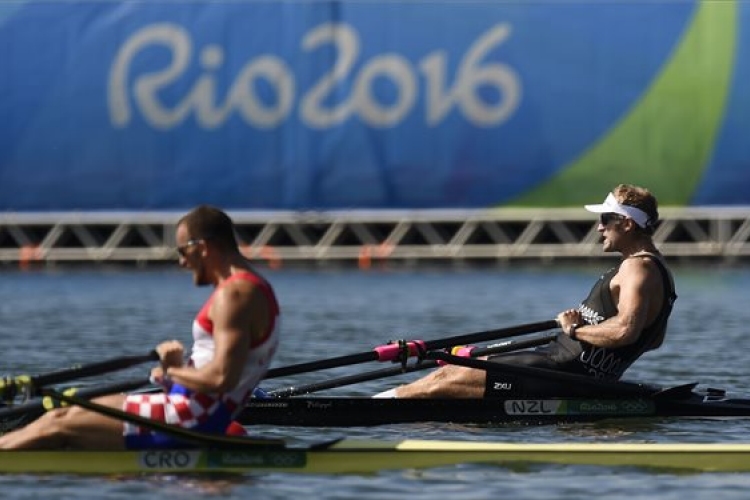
point(182, 249)
point(605, 219)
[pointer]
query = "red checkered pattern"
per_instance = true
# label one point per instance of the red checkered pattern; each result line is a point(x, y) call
point(174, 409)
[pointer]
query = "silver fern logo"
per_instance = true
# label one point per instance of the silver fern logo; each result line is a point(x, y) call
point(590, 316)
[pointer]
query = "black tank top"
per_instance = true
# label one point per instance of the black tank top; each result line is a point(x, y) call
point(610, 363)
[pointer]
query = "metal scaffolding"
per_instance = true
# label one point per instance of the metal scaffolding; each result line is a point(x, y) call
point(364, 237)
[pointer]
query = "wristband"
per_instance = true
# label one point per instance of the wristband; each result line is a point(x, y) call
point(572, 331)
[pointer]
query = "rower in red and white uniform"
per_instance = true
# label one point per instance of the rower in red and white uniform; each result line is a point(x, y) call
point(235, 336)
point(204, 411)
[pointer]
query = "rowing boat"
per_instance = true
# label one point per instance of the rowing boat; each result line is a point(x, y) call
point(362, 456)
point(584, 400)
point(533, 395)
point(315, 411)
point(212, 453)
point(338, 411)
point(530, 395)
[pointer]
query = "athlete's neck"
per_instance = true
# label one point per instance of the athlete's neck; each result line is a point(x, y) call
point(641, 246)
point(230, 265)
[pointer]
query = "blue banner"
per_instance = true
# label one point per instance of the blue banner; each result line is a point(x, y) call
point(331, 105)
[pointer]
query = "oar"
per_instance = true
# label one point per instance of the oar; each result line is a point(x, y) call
point(401, 350)
point(16, 416)
point(34, 382)
point(507, 346)
point(181, 433)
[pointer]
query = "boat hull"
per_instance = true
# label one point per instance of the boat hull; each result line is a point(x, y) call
point(349, 412)
point(361, 457)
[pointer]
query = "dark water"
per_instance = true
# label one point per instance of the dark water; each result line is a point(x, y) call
point(52, 319)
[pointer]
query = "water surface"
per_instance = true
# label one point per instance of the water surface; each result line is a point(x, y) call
point(55, 318)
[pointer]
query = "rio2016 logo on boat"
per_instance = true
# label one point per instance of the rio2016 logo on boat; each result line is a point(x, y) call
point(258, 459)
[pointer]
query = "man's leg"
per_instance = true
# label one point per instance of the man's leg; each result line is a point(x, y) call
point(449, 381)
point(453, 381)
point(71, 427)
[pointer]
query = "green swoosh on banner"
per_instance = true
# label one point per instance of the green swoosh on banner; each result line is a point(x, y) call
point(665, 141)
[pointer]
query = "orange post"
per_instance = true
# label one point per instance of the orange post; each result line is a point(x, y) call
point(365, 257)
point(28, 254)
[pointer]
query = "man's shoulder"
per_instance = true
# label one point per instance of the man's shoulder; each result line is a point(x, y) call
point(235, 291)
point(644, 264)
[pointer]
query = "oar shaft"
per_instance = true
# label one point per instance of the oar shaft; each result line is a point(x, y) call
point(351, 379)
point(413, 348)
point(29, 385)
point(351, 359)
point(507, 346)
point(92, 369)
point(485, 336)
point(36, 407)
point(511, 345)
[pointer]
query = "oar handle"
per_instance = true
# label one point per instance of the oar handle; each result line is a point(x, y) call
point(506, 346)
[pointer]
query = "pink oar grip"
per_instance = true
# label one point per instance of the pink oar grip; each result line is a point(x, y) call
point(463, 351)
point(391, 352)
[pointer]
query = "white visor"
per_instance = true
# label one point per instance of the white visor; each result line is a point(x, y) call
point(611, 205)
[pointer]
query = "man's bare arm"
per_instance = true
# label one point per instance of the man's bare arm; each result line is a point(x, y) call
point(240, 314)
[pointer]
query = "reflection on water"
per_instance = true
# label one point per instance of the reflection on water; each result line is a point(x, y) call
point(609, 430)
point(190, 485)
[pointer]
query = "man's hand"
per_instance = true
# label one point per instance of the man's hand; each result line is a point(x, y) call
point(568, 318)
point(171, 354)
point(158, 378)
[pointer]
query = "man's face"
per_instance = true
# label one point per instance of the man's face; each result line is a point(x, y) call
point(191, 251)
point(610, 228)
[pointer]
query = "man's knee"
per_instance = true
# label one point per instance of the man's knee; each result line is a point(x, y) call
point(60, 414)
point(52, 423)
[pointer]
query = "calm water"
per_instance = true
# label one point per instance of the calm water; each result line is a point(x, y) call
point(52, 319)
